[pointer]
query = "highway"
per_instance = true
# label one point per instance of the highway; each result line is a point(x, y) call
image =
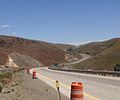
point(84, 57)
point(95, 87)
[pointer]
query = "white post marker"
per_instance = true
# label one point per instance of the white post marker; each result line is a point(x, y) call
point(57, 86)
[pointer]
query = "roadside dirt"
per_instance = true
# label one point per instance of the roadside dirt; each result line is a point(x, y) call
point(30, 89)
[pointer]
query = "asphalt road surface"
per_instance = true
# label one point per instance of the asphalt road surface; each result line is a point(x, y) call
point(95, 87)
point(84, 57)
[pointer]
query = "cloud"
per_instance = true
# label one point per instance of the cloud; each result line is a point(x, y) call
point(5, 26)
point(79, 43)
point(14, 33)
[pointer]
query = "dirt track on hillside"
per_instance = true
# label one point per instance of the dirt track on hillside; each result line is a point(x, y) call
point(30, 89)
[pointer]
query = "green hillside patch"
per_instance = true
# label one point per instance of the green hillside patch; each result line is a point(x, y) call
point(94, 48)
point(107, 59)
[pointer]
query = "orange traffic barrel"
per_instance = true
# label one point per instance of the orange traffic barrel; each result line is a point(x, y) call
point(34, 75)
point(76, 91)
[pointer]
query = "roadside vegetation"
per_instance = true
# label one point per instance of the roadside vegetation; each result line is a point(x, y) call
point(5, 79)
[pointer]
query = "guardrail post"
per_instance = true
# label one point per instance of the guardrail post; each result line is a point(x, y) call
point(57, 85)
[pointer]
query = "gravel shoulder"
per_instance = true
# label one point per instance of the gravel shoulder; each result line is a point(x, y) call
point(29, 89)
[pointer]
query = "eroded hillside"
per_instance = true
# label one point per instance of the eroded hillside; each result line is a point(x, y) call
point(41, 51)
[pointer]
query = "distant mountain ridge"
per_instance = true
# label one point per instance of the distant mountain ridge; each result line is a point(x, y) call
point(44, 52)
point(64, 46)
point(94, 48)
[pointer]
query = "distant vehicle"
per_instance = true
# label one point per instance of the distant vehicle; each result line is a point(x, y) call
point(55, 64)
point(117, 67)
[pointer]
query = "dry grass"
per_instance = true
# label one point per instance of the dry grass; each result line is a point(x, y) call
point(5, 78)
point(95, 48)
point(107, 59)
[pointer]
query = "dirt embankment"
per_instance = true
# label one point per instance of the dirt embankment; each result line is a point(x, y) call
point(29, 89)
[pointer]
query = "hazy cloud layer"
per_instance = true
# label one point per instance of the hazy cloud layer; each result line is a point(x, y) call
point(5, 26)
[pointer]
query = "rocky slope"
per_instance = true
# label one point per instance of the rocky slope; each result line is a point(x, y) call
point(3, 56)
point(44, 52)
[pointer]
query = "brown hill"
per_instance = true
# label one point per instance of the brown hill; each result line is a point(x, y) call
point(3, 56)
point(94, 48)
point(64, 46)
point(107, 58)
point(44, 52)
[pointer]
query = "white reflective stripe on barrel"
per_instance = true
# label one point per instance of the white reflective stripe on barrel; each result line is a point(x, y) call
point(77, 99)
point(76, 92)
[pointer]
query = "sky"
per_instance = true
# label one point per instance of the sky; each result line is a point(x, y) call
point(61, 21)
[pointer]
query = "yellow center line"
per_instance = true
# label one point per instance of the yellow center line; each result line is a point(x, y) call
point(66, 86)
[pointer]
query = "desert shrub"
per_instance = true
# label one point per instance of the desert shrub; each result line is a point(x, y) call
point(5, 78)
point(1, 87)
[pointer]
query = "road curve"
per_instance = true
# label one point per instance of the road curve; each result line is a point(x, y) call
point(95, 87)
point(84, 57)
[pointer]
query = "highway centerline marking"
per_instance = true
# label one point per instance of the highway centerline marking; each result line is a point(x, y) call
point(48, 78)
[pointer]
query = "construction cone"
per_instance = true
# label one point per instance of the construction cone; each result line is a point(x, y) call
point(76, 91)
point(34, 75)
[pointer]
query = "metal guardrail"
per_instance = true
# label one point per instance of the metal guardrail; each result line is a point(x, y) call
point(96, 72)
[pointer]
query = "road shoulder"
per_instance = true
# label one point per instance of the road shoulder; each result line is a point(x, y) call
point(31, 89)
